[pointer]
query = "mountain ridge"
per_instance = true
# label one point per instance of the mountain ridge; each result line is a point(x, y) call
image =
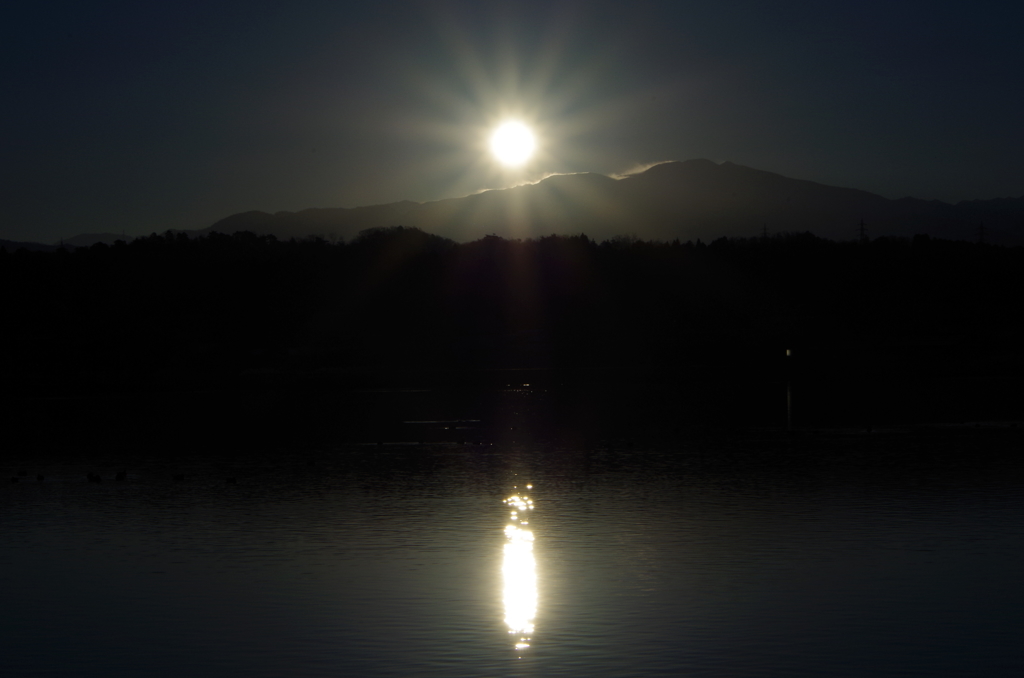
point(683, 200)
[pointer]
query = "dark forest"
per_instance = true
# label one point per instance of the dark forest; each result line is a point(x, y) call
point(171, 311)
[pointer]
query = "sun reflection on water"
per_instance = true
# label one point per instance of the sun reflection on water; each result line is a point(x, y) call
point(519, 573)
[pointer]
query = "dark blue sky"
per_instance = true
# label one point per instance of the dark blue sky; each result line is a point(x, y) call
point(129, 116)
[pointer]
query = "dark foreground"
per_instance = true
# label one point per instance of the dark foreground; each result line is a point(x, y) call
point(243, 457)
point(169, 312)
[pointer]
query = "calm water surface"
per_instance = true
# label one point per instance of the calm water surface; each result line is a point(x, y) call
point(752, 555)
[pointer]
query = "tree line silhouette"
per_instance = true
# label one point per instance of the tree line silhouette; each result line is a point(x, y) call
point(170, 309)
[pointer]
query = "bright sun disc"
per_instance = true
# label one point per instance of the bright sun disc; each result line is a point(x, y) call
point(512, 143)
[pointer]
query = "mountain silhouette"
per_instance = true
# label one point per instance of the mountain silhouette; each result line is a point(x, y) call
point(90, 239)
point(15, 245)
point(695, 199)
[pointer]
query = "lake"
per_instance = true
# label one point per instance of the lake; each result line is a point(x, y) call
point(516, 531)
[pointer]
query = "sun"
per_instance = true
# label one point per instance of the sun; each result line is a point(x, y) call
point(512, 143)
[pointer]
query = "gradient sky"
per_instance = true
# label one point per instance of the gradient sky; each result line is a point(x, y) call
point(139, 117)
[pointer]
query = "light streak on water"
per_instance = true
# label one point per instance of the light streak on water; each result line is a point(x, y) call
point(519, 573)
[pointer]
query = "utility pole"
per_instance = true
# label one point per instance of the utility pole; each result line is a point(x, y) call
point(863, 232)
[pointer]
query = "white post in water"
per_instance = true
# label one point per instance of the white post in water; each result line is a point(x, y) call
point(789, 391)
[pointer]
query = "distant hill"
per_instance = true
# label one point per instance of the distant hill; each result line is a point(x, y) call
point(90, 239)
point(15, 245)
point(695, 199)
point(83, 240)
point(685, 200)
